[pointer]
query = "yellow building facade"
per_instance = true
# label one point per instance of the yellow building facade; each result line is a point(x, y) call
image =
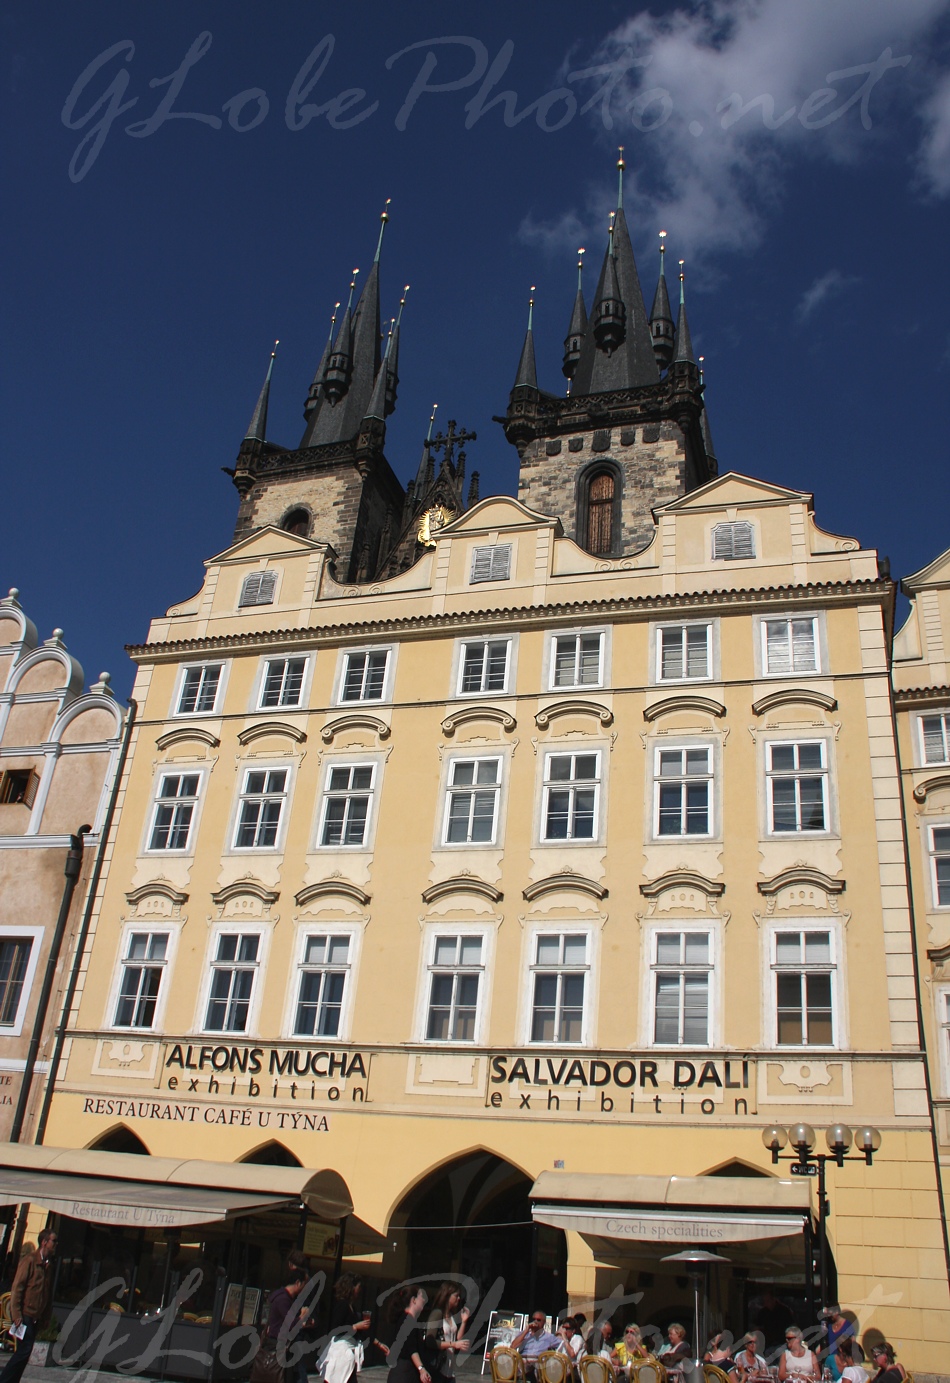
point(528, 860)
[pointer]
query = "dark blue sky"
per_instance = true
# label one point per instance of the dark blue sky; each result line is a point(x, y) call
point(143, 292)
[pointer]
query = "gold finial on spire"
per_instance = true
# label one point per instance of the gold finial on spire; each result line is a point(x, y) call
point(620, 167)
point(682, 281)
point(384, 217)
point(274, 351)
point(531, 309)
point(580, 265)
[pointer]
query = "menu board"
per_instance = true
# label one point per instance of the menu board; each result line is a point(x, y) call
point(503, 1326)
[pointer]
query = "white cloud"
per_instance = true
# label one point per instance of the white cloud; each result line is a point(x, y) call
point(713, 100)
point(827, 286)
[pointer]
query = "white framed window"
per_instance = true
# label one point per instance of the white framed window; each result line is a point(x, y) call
point(939, 850)
point(577, 660)
point(491, 563)
point(323, 984)
point(683, 790)
point(684, 652)
point(942, 998)
point(559, 978)
point(454, 982)
point(258, 588)
point(364, 675)
point(935, 738)
point(234, 969)
point(174, 811)
point(732, 541)
point(571, 796)
point(804, 979)
point(790, 646)
point(19, 953)
point(198, 689)
point(681, 968)
point(797, 786)
point(282, 683)
point(347, 803)
point(260, 808)
point(140, 978)
point(484, 667)
point(472, 801)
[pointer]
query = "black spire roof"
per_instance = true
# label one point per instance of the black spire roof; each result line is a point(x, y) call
point(257, 427)
point(632, 362)
point(661, 317)
point(683, 347)
point(527, 376)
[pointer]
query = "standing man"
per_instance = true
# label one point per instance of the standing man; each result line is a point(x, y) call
point(30, 1302)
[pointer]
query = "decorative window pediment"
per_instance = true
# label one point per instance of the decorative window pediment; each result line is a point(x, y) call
point(923, 790)
point(684, 889)
point(793, 696)
point(565, 883)
point(671, 704)
point(156, 899)
point(462, 883)
point(801, 886)
point(244, 898)
point(187, 734)
point(356, 721)
point(279, 728)
point(333, 887)
point(494, 714)
point(573, 707)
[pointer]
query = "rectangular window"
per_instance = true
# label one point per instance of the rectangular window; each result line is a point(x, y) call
point(471, 811)
point(174, 811)
point(559, 979)
point(940, 856)
point(576, 660)
point(491, 563)
point(683, 791)
point(682, 965)
point(804, 978)
point(199, 689)
point(232, 982)
point(283, 682)
point(258, 588)
point(346, 803)
point(262, 802)
point(732, 541)
point(484, 667)
point(323, 978)
point(364, 676)
point(935, 738)
point(683, 652)
point(14, 959)
point(571, 787)
point(790, 646)
point(797, 782)
point(454, 978)
point(141, 981)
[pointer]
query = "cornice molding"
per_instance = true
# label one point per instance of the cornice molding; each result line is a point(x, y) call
point(793, 696)
point(159, 886)
point(558, 883)
point(244, 888)
point(469, 713)
point(573, 707)
point(183, 734)
point(326, 887)
point(939, 954)
point(687, 702)
point(682, 878)
point(922, 696)
point(357, 720)
point(462, 883)
point(522, 616)
point(939, 780)
point(260, 728)
point(800, 874)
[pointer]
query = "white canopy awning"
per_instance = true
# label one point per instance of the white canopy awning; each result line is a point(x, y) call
point(153, 1192)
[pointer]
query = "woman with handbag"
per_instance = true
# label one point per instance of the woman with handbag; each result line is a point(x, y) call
point(447, 1326)
point(268, 1366)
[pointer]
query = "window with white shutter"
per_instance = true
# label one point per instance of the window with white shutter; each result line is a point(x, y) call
point(790, 646)
point(935, 738)
point(491, 563)
point(683, 652)
point(258, 588)
point(732, 541)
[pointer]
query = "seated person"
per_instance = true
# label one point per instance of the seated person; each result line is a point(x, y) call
point(534, 1339)
point(601, 1341)
point(631, 1348)
point(888, 1369)
point(716, 1351)
point(571, 1341)
point(797, 1359)
point(848, 1371)
point(677, 1349)
point(748, 1362)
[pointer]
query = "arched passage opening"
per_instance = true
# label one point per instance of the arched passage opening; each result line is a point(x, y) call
point(472, 1217)
point(121, 1140)
point(272, 1154)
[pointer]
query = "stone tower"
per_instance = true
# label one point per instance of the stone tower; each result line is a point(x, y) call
point(632, 432)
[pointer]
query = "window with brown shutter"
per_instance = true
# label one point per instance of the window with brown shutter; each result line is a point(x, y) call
point(19, 785)
point(600, 506)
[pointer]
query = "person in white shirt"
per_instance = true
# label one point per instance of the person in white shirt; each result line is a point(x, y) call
point(848, 1370)
point(748, 1363)
point(571, 1341)
point(797, 1360)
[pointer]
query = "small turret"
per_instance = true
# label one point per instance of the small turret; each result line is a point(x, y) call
point(257, 427)
point(683, 346)
point(392, 356)
point(578, 328)
point(313, 396)
point(661, 316)
point(527, 376)
point(339, 367)
point(424, 475)
point(610, 314)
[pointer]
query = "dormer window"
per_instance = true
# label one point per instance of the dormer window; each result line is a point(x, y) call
point(732, 541)
point(258, 588)
point(491, 563)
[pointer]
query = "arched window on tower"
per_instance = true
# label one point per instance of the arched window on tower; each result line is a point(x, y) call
point(298, 522)
point(600, 511)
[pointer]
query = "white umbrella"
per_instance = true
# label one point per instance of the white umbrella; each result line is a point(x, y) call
point(698, 1260)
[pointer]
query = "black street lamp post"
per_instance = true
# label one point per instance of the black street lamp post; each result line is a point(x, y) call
point(806, 1163)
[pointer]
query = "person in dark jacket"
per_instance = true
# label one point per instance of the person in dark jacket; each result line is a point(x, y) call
point(30, 1302)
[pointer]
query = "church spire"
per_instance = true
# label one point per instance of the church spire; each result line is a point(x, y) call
point(392, 355)
point(527, 376)
point(424, 475)
point(683, 348)
point(257, 427)
point(313, 395)
point(661, 315)
point(578, 327)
